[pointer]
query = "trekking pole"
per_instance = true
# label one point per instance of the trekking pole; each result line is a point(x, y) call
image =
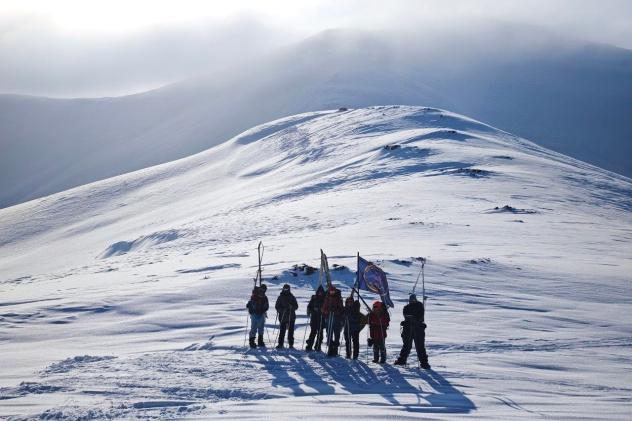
point(305, 331)
point(276, 317)
point(368, 329)
point(348, 332)
point(423, 284)
point(246, 332)
point(276, 337)
point(266, 328)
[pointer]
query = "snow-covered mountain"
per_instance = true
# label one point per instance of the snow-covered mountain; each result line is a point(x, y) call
point(125, 298)
point(573, 97)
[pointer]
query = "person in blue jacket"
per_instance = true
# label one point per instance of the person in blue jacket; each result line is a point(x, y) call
point(257, 308)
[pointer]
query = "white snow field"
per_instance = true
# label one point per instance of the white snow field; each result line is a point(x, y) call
point(126, 298)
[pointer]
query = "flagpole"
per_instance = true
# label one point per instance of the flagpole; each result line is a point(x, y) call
point(356, 286)
point(357, 291)
point(357, 281)
point(320, 274)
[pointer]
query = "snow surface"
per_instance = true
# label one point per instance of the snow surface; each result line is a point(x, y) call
point(126, 297)
point(566, 95)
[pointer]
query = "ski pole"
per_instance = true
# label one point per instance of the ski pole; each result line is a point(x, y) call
point(347, 336)
point(276, 316)
point(368, 329)
point(305, 333)
point(246, 332)
point(276, 337)
point(266, 327)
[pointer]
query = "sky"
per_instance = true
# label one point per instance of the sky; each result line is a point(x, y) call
point(81, 48)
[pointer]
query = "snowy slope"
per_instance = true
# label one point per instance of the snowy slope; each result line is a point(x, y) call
point(563, 94)
point(125, 298)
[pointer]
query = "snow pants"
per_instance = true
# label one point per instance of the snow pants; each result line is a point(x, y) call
point(379, 350)
point(414, 332)
point(289, 326)
point(352, 340)
point(257, 322)
point(316, 327)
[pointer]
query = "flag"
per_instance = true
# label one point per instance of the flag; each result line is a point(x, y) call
point(372, 278)
point(324, 269)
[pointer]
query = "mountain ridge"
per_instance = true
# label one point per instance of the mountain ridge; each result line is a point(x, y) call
point(533, 95)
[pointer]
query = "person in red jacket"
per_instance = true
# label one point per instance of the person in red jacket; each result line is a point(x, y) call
point(379, 320)
point(332, 316)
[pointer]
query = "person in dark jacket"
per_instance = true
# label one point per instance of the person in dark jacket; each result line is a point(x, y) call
point(354, 322)
point(379, 320)
point(316, 322)
point(414, 329)
point(286, 307)
point(332, 315)
point(257, 307)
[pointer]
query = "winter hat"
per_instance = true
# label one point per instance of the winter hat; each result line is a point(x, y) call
point(377, 304)
point(264, 287)
point(349, 301)
point(286, 287)
point(412, 298)
point(320, 290)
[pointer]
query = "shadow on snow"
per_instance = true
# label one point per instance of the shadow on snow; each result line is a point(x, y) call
point(327, 375)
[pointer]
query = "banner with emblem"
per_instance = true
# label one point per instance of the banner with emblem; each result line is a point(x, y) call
point(372, 278)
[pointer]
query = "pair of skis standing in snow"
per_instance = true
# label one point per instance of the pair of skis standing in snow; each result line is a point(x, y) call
point(326, 312)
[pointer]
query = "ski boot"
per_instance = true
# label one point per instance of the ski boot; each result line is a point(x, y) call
point(424, 365)
point(252, 342)
point(260, 342)
point(400, 361)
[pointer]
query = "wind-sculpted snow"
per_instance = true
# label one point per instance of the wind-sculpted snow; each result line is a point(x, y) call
point(126, 298)
point(122, 247)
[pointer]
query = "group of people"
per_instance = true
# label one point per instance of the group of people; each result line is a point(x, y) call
point(327, 313)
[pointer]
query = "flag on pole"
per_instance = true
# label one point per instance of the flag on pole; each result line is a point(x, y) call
point(372, 278)
point(324, 269)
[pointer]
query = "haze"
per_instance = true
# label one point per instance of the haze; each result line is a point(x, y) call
point(85, 49)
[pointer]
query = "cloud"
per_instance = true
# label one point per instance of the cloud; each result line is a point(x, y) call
point(37, 58)
point(49, 50)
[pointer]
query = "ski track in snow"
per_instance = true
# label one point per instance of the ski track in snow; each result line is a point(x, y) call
point(126, 298)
